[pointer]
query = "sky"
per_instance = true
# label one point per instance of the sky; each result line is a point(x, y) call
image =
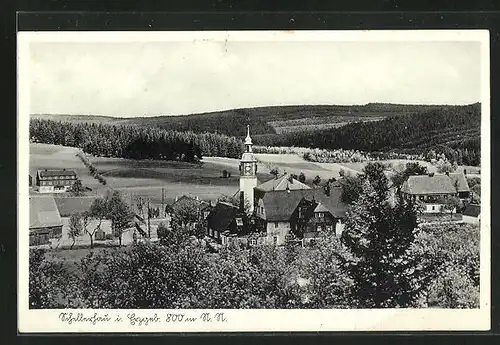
point(130, 79)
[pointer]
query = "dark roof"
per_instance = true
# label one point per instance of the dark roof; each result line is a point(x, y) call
point(72, 205)
point(281, 184)
point(332, 203)
point(472, 210)
point(221, 216)
point(43, 212)
point(52, 173)
point(436, 184)
point(280, 205)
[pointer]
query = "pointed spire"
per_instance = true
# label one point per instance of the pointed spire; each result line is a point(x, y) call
point(248, 140)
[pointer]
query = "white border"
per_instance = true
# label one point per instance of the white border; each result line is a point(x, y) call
point(259, 320)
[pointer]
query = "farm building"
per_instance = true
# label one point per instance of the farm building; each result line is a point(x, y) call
point(55, 181)
point(430, 188)
point(472, 214)
point(45, 220)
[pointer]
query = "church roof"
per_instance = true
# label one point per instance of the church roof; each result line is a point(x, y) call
point(282, 184)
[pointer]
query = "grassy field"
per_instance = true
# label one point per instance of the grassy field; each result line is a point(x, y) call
point(46, 156)
point(147, 178)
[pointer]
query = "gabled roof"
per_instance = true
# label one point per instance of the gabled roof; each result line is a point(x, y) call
point(428, 184)
point(279, 205)
point(472, 210)
point(43, 212)
point(330, 203)
point(72, 205)
point(281, 184)
point(460, 181)
point(221, 216)
point(52, 173)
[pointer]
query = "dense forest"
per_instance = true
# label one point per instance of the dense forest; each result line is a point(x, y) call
point(134, 142)
point(454, 131)
point(262, 120)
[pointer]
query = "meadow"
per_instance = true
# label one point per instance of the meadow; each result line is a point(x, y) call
point(147, 178)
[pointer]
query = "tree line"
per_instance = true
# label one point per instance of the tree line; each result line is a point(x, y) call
point(454, 131)
point(134, 142)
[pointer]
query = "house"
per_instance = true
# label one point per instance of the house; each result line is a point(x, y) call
point(45, 220)
point(472, 214)
point(303, 212)
point(55, 181)
point(227, 223)
point(431, 188)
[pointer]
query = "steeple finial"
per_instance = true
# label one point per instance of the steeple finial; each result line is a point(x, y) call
point(248, 140)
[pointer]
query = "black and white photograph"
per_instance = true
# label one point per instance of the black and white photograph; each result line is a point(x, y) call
point(204, 181)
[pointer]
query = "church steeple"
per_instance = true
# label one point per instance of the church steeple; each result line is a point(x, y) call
point(248, 172)
point(248, 141)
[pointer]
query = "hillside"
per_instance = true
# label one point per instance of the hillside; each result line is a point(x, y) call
point(263, 120)
point(454, 131)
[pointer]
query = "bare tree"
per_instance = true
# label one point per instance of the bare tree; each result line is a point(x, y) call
point(75, 227)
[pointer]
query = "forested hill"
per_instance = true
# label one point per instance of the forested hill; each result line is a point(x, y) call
point(454, 131)
point(263, 120)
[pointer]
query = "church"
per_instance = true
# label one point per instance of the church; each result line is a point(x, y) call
point(277, 210)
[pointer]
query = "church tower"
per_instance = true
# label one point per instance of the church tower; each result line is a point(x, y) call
point(248, 172)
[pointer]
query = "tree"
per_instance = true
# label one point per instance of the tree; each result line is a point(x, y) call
point(77, 188)
point(402, 173)
point(48, 281)
point(98, 211)
point(449, 204)
point(446, 167)
point(316, 180)
point(351, 188)
point(302, 177)
point(75, 228)
point(119, 214)
point(380, 237)
point(140, 203)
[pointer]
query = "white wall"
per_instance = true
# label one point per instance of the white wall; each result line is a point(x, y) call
point(470, 220)
point(281, 231)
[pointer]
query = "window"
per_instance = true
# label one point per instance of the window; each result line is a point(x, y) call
point(300, 212)
point(275, 224)
point(329, 228)
point(433, 207)
point(318, 227)
point(421, 197)
point(321, 215)
point(253, 241)
point(275, 240)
